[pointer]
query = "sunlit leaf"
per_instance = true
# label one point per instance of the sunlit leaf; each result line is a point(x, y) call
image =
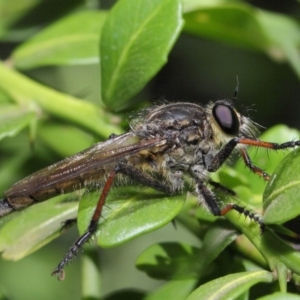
point(71, 41)
point(281, 197)
point(133, 55)
point(129, 212)
point(28, 231)
point(230, 286)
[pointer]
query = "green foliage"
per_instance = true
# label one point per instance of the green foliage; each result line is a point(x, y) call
point(284, 186)
point(13, 120)
point(33, 230)
point(130, 43)
point(244, 26)
point(66, 42)
point(133, 55)
point(141, 210)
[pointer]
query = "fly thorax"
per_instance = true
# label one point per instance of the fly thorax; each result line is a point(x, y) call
point(168, 118)
point(177, 160)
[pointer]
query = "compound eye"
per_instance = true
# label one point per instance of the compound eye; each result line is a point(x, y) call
point(226, 118)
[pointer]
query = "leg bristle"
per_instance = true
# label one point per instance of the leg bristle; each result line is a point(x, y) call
point(250, 215)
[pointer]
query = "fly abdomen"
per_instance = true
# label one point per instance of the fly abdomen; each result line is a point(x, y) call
point(21, 198)
point(34, 189)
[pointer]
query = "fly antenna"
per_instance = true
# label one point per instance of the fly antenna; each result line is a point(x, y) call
point(236, 90)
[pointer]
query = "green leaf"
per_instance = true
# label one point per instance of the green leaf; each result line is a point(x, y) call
point(244, 26)
point(4, 98)
point(282, 46)
point(176, 261)
point(181, 261)
point(30, 230)
point(64, 139)
point(266, 159)
point(281, 196)
point(253, 258)
point(235, 24)
point(192, 5)
point(130, 57)
point(11, 11)
point(70, 41)
point(217, 238)
point(21, 19)
point(230, 286)
point(129, 212)
point(174, 289)
point(278, 254)
point(193, 216)
point(13, 119)
point(91, 274)
point(280, 296)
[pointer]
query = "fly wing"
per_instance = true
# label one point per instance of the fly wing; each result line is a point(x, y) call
point(86, 162)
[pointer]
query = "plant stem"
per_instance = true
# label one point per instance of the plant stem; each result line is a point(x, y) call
point(30, 93)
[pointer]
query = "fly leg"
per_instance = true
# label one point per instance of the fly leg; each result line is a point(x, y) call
point(120, 168)
point(59, 271)
point(68, 224)
point(252, 167)
point(221, 188)
point(143, 178)
point(224, 153)
point(221, 157)
point(213, 206)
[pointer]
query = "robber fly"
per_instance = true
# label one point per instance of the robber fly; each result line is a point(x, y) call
point(166, 146)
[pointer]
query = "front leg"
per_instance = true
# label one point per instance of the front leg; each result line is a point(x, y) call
point(224, 153)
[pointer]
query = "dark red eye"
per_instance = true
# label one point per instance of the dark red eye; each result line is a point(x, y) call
point(227, 118)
